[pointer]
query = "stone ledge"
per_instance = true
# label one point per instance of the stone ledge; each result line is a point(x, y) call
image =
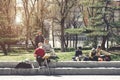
point(68, 64)
point(89, 64)
point(90, 71)
point(63, 71)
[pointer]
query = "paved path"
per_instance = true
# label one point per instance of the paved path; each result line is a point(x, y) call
point(62, 77)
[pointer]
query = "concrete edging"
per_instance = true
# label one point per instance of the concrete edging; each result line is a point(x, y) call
point(55, 71)
point(64, 68)
point(68, 64)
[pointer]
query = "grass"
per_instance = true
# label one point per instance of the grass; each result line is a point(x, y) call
point(17, 56)
point(21, 55)
point(67, 56)
point(115, 56)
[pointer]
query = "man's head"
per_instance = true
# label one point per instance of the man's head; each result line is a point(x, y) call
point(39, 32)
point(80, 48)
point(40, 44)
point(46, 41)
point(99, 47)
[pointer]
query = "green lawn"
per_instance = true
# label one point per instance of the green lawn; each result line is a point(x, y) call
point(21, 55)
point(17, 56)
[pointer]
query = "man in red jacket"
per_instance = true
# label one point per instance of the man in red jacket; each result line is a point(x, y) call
point(39, 54)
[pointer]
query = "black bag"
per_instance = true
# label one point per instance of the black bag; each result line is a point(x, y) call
point(23, 65)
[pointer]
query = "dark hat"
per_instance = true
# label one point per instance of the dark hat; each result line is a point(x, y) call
point(99, 47)
point(80, 47)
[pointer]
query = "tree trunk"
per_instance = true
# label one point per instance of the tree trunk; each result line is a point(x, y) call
point(53, 39)
point(103, 42)
point(4, 49)
point(70, 40)
point(33, 44)
point(26, 44)
point(53, 34)
point(107, 26)
point(62, 35)
point(107, 43)
point(9, 48)
point(76, 41)
point(73, 42)
point(42, 27)
point(66, 42)
point(95, 42)
point(27, 38)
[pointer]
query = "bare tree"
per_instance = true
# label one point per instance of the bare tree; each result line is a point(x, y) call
point(29, 7)
point(42, 15)
point(7, 29)
point(64, 7)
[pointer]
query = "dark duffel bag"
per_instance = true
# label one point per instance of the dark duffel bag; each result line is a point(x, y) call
point(23, 65)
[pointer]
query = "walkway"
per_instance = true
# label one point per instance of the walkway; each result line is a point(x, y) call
point(62, 77)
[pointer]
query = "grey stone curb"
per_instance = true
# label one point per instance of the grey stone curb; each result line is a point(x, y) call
point(64, 68)
point(61, 71)
point(91, 64)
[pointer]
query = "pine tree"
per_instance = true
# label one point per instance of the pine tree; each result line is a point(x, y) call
point(101, 20)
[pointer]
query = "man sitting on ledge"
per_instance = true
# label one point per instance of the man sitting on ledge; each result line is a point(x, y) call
point(39, 54)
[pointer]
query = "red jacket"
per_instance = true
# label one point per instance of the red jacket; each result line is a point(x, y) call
point(39, 52)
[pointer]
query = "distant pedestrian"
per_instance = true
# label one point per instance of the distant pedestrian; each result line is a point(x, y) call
point(39, 38)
